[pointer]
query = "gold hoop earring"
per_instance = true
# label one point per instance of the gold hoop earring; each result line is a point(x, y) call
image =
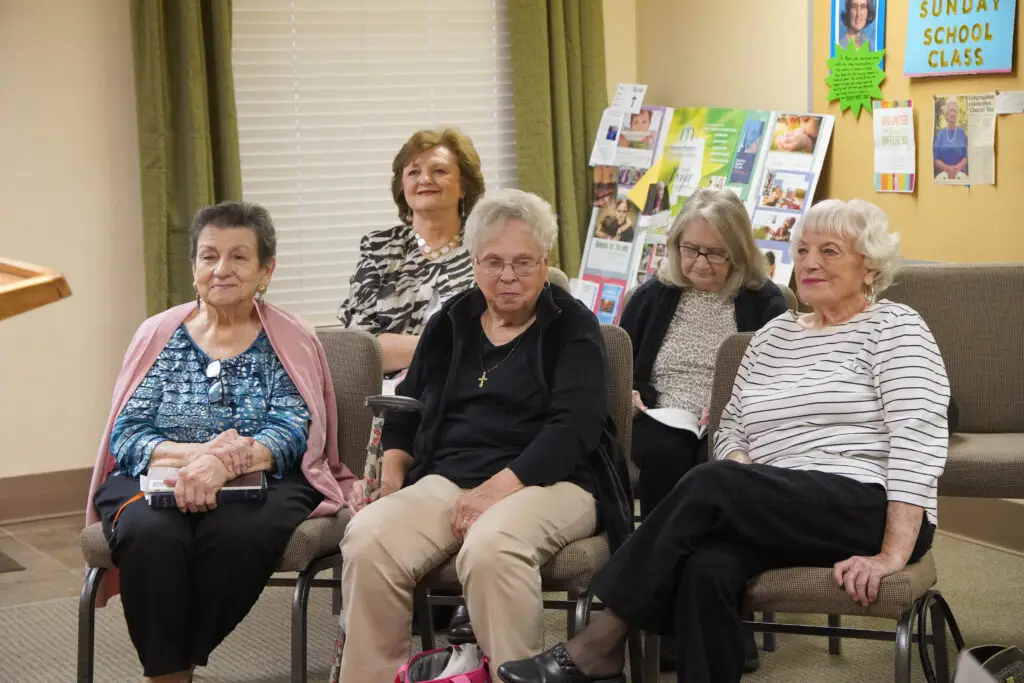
point(196, 290)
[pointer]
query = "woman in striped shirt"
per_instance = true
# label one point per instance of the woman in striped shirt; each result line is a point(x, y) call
point(828, 454)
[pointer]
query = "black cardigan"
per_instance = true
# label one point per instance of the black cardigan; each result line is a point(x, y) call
point(568, 360)
point(650, 311)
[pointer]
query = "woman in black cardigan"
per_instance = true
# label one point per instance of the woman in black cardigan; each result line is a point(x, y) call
point(712, 284)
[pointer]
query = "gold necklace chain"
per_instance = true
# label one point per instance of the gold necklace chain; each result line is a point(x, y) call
point(482, 379)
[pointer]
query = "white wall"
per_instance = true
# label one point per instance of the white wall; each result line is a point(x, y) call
point(747, 54)
point(69, 199)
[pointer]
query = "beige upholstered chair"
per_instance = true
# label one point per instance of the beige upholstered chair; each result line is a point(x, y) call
point(573, 568)
point(906, 596)
point(976, 313)
point(558, 277)
point(355, 363)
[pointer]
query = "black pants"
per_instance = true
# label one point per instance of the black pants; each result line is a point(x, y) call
point(188, 579)
point(663, 455)
point(684, 570)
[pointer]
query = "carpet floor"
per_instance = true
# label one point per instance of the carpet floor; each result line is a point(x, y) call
point(38, 640)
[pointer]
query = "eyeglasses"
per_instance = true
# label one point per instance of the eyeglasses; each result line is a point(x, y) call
point(216, 391)
point(694, 253)
point(523, 267)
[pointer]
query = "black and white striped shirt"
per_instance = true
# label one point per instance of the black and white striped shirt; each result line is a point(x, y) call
point(866, 399)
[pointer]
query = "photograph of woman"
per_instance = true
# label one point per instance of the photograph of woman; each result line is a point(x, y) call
point(858, 22)
point(949, 150)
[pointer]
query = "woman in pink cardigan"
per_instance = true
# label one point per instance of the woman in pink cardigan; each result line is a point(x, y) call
point(218, 388)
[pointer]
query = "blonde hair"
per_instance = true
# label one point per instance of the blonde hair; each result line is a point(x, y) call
point(864, 223)
point(727, 216)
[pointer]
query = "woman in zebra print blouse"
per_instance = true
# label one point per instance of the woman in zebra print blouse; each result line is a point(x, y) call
point(406, 272)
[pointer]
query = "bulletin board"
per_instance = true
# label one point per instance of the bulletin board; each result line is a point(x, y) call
point(982, 223)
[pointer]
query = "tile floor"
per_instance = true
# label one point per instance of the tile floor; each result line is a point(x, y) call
point(50, 553)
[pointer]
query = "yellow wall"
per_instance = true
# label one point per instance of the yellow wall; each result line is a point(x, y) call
point(938, 223)
point(70, 179)
point(727, 53)
point(619, 43)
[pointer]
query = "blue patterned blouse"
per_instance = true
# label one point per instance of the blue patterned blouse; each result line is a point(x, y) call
point(172, 404)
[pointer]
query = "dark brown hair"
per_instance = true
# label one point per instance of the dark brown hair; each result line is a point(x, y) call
point(458, 143)
point(235, 214)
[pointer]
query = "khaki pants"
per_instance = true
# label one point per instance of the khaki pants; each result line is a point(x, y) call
point(394, 542)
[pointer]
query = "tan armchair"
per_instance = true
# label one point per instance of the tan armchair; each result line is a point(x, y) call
point(976, 313)
point(907, 596)
point(355, 363)
point(572, 569)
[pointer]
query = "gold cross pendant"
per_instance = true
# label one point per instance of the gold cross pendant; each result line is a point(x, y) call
point(482, 378)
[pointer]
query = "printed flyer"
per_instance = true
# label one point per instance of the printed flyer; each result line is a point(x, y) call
point(772, 160)
point(963, 145)
point(895, 149)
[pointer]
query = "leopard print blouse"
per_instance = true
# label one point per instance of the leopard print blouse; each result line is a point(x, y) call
point(684, 368)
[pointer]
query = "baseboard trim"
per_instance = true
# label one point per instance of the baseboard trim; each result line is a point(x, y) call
point(994, 522)
point(37, 496)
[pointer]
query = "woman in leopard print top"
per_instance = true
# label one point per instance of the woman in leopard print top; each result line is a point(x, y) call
point(406, 272)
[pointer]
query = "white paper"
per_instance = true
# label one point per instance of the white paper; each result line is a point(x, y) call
point(608, 256)
point(607, 141)
point(895, 149)
point(585, 291)
point(1010, 102)
point(968, 670)
point(677, 418)
point(154, 480)
point(691, 163)
point(629, 97)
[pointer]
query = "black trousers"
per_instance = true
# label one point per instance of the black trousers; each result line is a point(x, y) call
point(684, 570)
point(188, 579)
point(663, 455)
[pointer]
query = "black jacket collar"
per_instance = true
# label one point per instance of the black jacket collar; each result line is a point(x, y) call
point(472, 304)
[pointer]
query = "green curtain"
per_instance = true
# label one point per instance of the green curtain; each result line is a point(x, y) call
point(559, 93)
point(188, 131)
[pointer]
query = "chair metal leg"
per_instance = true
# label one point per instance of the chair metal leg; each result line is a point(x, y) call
point(636, 658)
point(581, 618)
point(835, 643)
point(939, 643)
point(300, 603)
point(421, 600)
point(904, 629)
point(769, 643)
point(87, 623)
point(652, 658)
point(336, 591)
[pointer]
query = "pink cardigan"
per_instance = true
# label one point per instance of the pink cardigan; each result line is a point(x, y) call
point(303, 358)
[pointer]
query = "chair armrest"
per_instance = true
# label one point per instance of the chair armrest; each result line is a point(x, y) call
point(381, 404)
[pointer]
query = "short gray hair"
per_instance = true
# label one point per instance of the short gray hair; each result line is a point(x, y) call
point(727, 216)
point(236, 214)
point(496, 209)
point(862, 222)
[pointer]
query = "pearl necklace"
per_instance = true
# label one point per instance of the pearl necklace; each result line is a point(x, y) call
point(433, 253)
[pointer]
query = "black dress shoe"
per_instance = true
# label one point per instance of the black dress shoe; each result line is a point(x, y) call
point(460, 630)
point(553, 666)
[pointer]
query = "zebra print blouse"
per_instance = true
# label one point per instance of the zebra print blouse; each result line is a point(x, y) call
point(395, 284)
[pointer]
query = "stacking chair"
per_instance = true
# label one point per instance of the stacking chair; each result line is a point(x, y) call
point(572, 569)
point(354, 359)
point(906, 597)
point(976, 313)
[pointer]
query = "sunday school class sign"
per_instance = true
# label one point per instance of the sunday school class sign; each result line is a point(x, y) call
point(949, 37)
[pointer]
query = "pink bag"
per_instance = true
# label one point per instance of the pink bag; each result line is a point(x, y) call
point(425, 666)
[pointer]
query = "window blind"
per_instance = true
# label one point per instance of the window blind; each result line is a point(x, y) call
point(327, 91)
